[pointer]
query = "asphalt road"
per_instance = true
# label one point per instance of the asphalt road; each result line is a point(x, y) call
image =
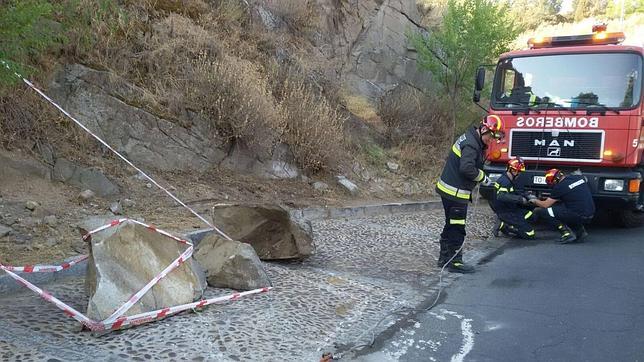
point(536, 301)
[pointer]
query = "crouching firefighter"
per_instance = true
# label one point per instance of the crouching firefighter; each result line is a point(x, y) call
point(569, 206)
point(509, 204)
point(463, 170)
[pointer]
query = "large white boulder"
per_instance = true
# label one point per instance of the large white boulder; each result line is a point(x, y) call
point(125, 258)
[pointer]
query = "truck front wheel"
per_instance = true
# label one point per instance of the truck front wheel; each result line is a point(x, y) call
point(629, 218)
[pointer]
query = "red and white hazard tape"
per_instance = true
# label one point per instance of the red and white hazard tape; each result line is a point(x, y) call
point(116, 320)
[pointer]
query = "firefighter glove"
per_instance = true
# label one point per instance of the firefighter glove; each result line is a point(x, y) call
point(486, 181)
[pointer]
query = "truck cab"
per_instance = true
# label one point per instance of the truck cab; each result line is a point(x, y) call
point(574, 103)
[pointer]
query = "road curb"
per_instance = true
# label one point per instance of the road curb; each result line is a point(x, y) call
point(322, 213)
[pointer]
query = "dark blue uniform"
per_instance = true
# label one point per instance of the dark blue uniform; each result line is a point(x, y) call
point(575, 206)
point(507, 205)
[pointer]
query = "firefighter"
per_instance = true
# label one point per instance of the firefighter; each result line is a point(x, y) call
point(569, 206)
point(463, 170)
point(509, 204)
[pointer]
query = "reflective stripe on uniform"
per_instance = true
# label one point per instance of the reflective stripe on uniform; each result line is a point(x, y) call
point(530, 233)
point(551, 212)
point(528, 215)
point(480, 177)
point(453, 191)
point(456, 150)
point(533, 99)
point(457, 221)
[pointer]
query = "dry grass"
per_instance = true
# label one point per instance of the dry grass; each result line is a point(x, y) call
point(298, 14)
point(314, 127)
point(417, 126)
point(235, 95)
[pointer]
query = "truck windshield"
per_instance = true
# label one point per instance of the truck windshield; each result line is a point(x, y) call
point(605, 80)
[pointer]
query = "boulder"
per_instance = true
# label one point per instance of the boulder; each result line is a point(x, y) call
point(126, 257)
point(230, 264)
point(348, 185)
point(84, 178)
point(269, 229)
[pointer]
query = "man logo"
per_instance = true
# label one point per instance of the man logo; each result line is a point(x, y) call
point(554, 151)
point(555, 143)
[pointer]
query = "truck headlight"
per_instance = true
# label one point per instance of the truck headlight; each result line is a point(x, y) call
point(494, 176)
point(614, 185)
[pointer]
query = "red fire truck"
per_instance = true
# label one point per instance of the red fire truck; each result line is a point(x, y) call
point(575, 103)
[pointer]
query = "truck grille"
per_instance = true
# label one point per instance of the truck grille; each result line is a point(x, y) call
point(560, 145)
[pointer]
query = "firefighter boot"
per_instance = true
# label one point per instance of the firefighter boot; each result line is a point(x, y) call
point(500, 226)
point(457, 265)
point(581, 233)
point(444, 253)
point(567, 235)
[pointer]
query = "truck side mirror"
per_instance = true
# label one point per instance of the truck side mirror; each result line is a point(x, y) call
point(479, 82)
point(480, 79)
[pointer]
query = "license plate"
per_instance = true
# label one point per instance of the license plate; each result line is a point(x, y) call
point(539, 180)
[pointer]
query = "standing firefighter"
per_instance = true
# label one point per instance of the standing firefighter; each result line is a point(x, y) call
point(463, 170)
point(569, 206)
point(513, 218)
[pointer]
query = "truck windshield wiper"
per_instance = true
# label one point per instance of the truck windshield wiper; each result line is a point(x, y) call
point(524, 107)
point(552, 105)
point(597, 108)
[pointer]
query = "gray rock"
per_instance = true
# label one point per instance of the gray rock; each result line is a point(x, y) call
point(52, 242)
point(270, 21)
point(126, 257)
point(230, 264)
point(103, 101)
point(31, 205)
point(269, 229)
point(348, 185)
point(84, 178)
point(95, 222)
point(280, 165)
point(50, 220)
point(148, 185)
point(86, 195)
point(372, 36)
point(22, 166)
point(127, 203)
point(5, 230)
point(392, 166)
point(116, 208)
point(320, 186)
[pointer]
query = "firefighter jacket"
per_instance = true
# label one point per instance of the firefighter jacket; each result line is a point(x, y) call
point(507, 198)
point(463, 167)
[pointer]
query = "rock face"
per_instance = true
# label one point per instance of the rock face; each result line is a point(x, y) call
point(102, 101)
point(267, 228)
point(23, 166)
point(230, 264)
point(126, 257)
point(84, 178)
point(368, 39)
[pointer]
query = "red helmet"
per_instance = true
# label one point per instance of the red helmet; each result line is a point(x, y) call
point(553, 176)
point(516, 164)
point(493, 124)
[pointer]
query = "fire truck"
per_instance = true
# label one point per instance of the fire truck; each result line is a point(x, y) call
point(574, 103)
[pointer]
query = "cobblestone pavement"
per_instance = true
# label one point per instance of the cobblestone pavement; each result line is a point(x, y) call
point(362, 270)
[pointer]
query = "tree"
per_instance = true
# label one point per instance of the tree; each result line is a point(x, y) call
point(25, 31)
point(473, 32)
point(532, 13)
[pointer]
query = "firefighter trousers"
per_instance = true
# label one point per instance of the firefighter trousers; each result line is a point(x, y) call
point(453, 233)
point(559, 214)
point(518, 222)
